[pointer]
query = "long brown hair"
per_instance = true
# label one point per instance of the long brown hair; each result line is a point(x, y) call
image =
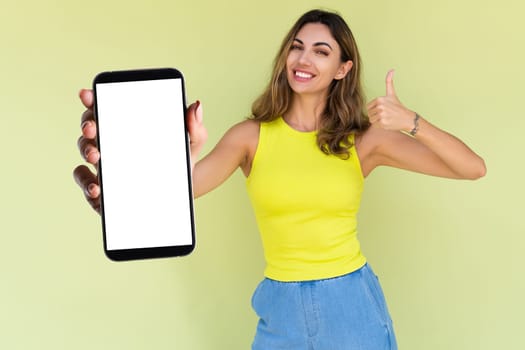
point(344, 111)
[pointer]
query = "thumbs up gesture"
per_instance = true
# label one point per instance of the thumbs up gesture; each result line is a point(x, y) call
point(387, 112)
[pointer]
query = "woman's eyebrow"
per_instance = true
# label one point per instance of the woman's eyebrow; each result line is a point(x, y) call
point(319, 43)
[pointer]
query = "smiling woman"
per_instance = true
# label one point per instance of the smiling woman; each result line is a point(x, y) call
point(318, 41)
point(313, 65)
point(306, 151)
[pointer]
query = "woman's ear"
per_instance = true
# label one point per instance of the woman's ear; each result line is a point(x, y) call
point(344, 69)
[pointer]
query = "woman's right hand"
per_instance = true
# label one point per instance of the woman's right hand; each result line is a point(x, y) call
point(85, 178)
point(88, 180)
point(196, 130)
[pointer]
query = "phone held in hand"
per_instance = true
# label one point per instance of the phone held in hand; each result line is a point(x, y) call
point(144, 168)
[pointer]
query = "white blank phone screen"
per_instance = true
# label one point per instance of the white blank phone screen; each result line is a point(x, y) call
point(146, 196)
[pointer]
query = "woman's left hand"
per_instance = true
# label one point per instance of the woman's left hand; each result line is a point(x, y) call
point(433, 151)
point(387, 112)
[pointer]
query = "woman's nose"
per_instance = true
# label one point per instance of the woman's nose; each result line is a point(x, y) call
point(304, 58)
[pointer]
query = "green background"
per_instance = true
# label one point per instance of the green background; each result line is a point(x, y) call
point(449, 253)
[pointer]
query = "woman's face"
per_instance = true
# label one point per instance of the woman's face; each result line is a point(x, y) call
point(314, 60)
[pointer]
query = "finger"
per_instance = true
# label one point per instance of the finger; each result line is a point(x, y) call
point(194, 120)
point(194, 112)
point(87, 181)
point(198, 112)
point(372, 115)
point(88, 150)
point(88, 125)
point(87, 116)
point(390, 91)
point(86, 96)
point(375, 119)
point(377, 108)
point(372, 104)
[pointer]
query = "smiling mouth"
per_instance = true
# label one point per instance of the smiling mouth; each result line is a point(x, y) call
point(303, 75)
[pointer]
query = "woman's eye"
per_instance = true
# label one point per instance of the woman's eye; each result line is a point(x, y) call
point(296, 47)
point(321, 52)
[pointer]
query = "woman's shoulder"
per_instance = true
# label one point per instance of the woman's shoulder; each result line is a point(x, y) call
point(247, 129)
point(244, 134)
point(248, 125)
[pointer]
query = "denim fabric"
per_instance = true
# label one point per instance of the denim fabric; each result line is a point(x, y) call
point(342, 313)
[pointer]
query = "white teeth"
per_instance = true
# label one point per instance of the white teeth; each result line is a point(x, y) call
point(303, 75)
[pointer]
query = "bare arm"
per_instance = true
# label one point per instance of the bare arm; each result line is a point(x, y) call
point(432, 151)
point(235, 149)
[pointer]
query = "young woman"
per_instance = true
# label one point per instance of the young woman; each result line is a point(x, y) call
point(305, 152)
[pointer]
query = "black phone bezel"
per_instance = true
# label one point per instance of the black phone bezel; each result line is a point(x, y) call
point(149, 252)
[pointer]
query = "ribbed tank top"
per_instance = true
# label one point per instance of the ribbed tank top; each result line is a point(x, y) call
point(305, 204)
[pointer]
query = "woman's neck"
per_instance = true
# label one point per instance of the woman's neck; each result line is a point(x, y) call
point(305, 112)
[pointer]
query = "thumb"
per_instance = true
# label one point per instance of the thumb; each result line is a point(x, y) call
point(198, 111)
point(194, 113)
point(195, 127)
point(390, 91)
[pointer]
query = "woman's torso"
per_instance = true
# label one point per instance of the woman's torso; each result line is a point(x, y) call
point(305, 203)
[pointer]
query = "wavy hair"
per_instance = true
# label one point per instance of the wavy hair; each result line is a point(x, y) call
point(344, 110)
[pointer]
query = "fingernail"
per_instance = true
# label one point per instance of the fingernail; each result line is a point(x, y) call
point(84, 124)
point(90, 189)
point(88, 151)
point(198, 111)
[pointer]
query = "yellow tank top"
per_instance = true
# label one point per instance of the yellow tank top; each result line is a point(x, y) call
point(305, 203)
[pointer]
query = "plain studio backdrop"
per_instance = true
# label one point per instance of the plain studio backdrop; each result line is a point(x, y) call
point(449, 253)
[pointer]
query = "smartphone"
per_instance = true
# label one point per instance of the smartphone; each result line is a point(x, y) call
point(144, 168)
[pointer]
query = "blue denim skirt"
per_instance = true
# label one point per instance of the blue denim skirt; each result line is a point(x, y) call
point(347, 312)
